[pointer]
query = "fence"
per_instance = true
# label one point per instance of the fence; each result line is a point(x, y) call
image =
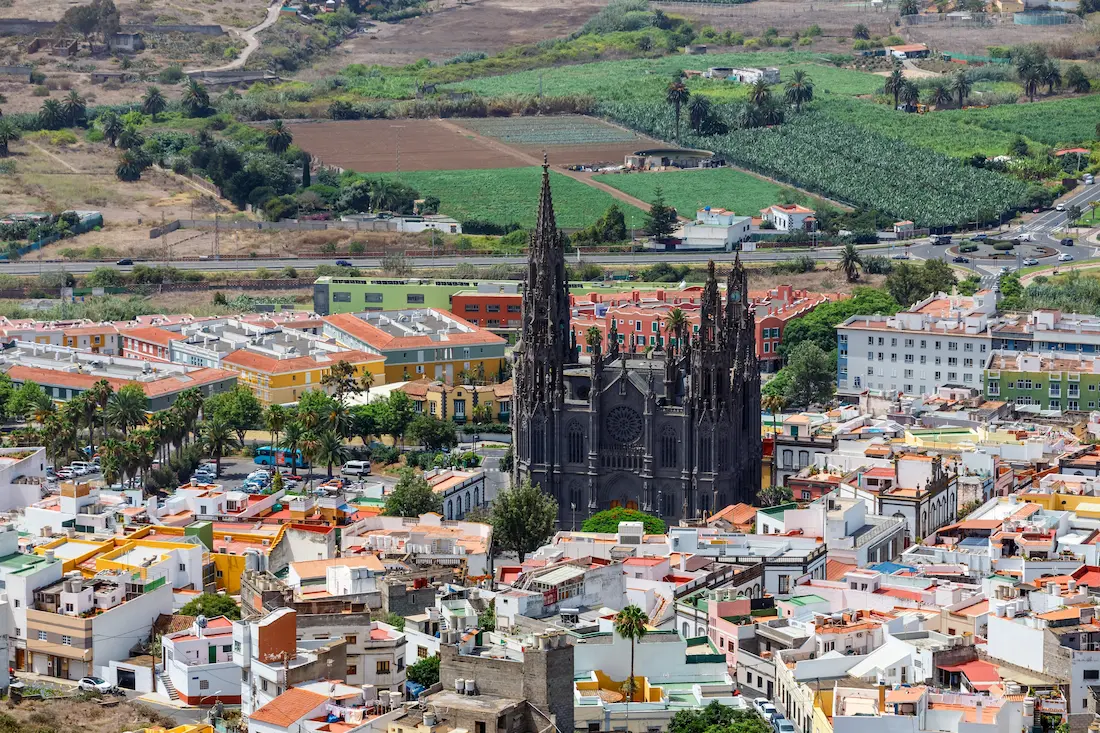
point(373, 225)
point(183, 287)
point(951, 20)
point(85, 225)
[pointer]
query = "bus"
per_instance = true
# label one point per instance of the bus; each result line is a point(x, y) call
point(269, 456)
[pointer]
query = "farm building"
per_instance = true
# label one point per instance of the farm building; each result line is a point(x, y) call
point(903, 229)
point(787, 217)
point(667, 158)
point(769, 74)
point(714, 229)
point(909, 51)
point(413, 224)
point(126, 42)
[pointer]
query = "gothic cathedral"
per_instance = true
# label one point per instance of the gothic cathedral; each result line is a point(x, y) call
point(676, 435)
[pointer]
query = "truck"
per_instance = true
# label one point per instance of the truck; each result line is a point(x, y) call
point(940, 239)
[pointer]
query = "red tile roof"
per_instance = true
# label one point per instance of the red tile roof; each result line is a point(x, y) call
point(835, 569)
point(379, 339)
point(164, 385)
point(247, 359)
point(290, 707)
point(153, 335)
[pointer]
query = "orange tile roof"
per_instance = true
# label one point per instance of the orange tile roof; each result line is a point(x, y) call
point(162, 386)
point(289, 708)
point(905, 694)
point(153, 334)
point(735, 514)
point(248, 359)
point(1061, 614)
point(98, 328)
point(835, 569)
point(976, 610)
point(318, 568)
point(379, 339)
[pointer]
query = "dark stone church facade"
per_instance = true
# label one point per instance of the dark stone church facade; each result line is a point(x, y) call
point(675, 435)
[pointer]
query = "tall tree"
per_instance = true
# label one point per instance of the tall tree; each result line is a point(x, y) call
point(218, 440)
point(340, 378)
point(699, 113)
point(850, 262)
point(895, 83)
point(939, 95)
point(74, 107)
point(523, 518)
point(110, 124)
point(153, 102)
point(52, 115)
point(675, 325)
point(9, 133)
point(631, 623)
point(331, 450)
point(1077, 80)
point(127, 408)
point(760, 92)
point(1051, 74)
point(278, 137)
point(811, 375)
point(677, 95)
point(961, 85)
point(860, 32)
point(274, 420)
point(412, 496)
point(661, 220)
point(195, 99)
point(910, 94)
point(799, 90)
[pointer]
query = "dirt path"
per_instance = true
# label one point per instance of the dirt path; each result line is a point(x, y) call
point(47, 153)
point(251, 41)
point(585, 178)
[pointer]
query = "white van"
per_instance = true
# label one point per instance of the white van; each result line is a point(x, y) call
point(356, 468)
point(81, 467)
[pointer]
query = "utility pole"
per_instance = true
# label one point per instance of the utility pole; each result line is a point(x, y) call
point(164, 238)
point(217, 233)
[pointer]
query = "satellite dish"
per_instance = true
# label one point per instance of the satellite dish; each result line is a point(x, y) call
point(201, 621)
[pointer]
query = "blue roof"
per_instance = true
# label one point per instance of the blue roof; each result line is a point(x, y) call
point(889, 568)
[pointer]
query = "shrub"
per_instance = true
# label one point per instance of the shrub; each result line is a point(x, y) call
point(40, 91)
point(968, 248)
point(1003, 246)
point(608, 521)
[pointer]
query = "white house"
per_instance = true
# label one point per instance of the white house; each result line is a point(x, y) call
point(714, 229)
point(198, 664)
point(787, 217)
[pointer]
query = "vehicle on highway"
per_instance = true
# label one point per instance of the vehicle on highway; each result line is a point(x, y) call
point(901, 256)
point(1088, 179)
point(1066, 242)
point(1060, 207)
point(356, 468)
point(125, 261)
point(269, 456)
point(940, 239)
point(343, 263)
point(94, 684)
point(1005, 270)
point(980, 237)
point(1065, 257)
point(960, 258)
point(1030, 261)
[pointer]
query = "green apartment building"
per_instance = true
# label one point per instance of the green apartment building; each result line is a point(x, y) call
point(332, 295)
point(1066, 383)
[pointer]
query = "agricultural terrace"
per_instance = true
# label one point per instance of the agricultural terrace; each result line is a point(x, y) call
point(848, 163)
point(566, 139)
point(690, 190)
point(507, 195)
point(376, 146)
point(647, 78)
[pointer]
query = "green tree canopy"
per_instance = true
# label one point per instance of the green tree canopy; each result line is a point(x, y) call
point(432, 433)
point(22, 401)
point(523, 518)
point(212, 605)
point(238, 408)
point(608, 521)
point(425, 672)
point(910, 283)
point(811, 376)
point(660, 222)
point(717, 718)
point(412, 496)
point(819, 325)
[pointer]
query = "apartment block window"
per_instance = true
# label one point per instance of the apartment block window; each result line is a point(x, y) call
point(881, 356)
point(513, 309)
point(341, 297)
point(968, 363)
point(937, 347)
point(952, 361)
point(422, 652)
point(982, 348)
point(18, 631)
point(41, 635)
point(67, 640)
point(908, 358)
point(263, 685)
point(351, 639)
point(352, 670)
point(893, 342)
point(400, 663)
point(1072, 406)
point(1092, 674)
point(937, 377)
point(492, 308)
point(952, 376)
point(952, 345)
point(383, 667)
point(923, 344)
point(473, 308)
point(939, 360)
point(881, 341)
point(784, 584)
point(923, 359)
point(968, 346)
point(870, 340)
point(908, 389)
point(373, 297)
point(204, 684)
point(68, 608)
point(908, 343)
point(414, 298)
point(968, 377)
point(908, 373)
point(1055, 404)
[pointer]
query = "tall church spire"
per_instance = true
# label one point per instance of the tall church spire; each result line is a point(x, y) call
point(546, 228)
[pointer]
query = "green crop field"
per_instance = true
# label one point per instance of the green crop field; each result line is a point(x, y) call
point(1055, 122)
point(642, 78)
point(558, 130)
point(950, 133)
point(506, 195)
point(691, 190)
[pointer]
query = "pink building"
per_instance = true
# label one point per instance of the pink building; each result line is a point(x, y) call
point(725, 621)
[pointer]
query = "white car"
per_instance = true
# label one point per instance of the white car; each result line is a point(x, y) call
point(1060, 207)
point(1030, 261)
point(1065, 257)
point(94, 684)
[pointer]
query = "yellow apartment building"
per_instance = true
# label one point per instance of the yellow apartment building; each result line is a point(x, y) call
point(461, 402)
point(281, 380)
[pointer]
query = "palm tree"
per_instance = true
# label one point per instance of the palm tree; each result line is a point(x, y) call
point(961, 86)
point(698, 113)
point(293, 434)
point(771, 112)
point(310, 447)
point(1051, 75)
point(60, 435)
point(800, 89)
point(189, 404)
point(278, 137)
point(100, 393)
point(630, 623)
point(87, 406)
point(52, 115)
point(1077, 80)
point(366, 381)
point(592, 337)
point(939, 95)
point(111, 125)
point(910, 95)
point(677, 95)
point(9, 133)
point(895, 83)
point(1093, 206)
point(331, 450)
point(850, 262)
point(130, 166)
point(217, 440)
point(74, 107)
point(860, 32)
point(675, 325)
point(337, 419)
point(774, 404)
point(760, 92)
point(126, 409)
point(195, 99)
point(274, 420)
point(748, 116)
point(153, 103)
point(43, 409)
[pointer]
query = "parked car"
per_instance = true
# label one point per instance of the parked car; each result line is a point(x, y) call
point(768, 711)
point(356, 468)
point(760, 702)
point(1089, 180)
point(1066, 242)
point(960, 259)
point(1065, 257)
point(94, 684)
point(1030, 261)
point(344, 263)
point(65, 474)
point(782, 725)
point(125, 261)
point(1060, 207)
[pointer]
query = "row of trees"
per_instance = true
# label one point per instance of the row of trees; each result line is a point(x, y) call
point(761, 107)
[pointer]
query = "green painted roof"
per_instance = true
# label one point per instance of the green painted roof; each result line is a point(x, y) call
point(779, 509)
point(19, 562)
point(806, 600)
